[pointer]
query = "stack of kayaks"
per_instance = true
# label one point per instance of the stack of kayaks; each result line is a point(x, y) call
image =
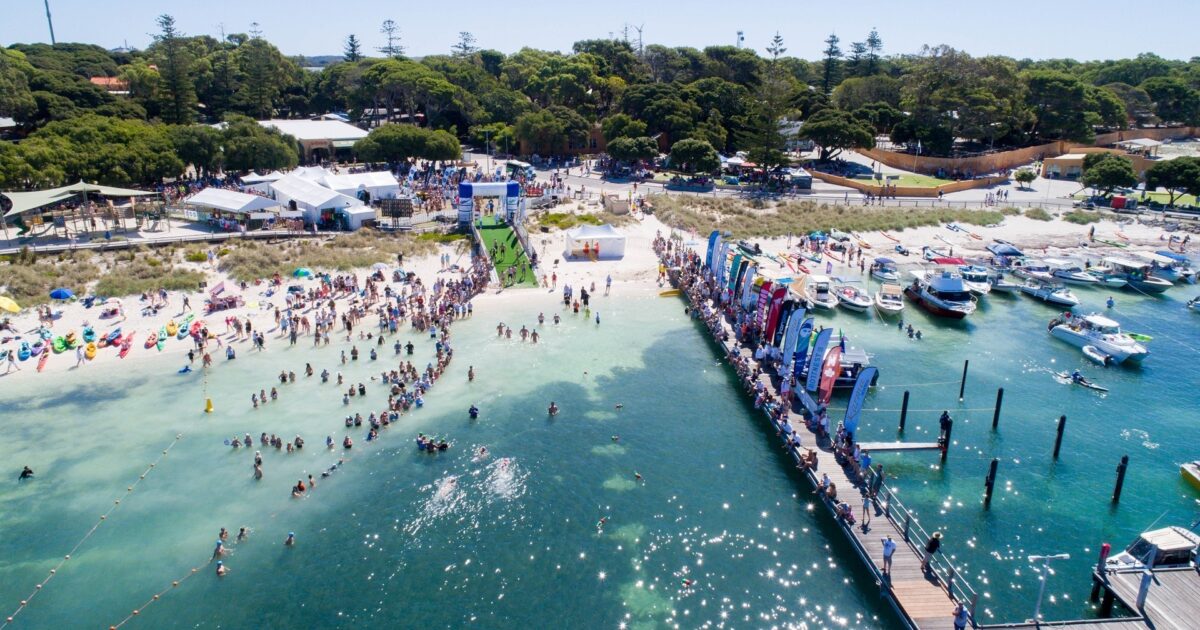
point(89, 351)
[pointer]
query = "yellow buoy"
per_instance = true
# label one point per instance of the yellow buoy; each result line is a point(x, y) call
point(208, 406)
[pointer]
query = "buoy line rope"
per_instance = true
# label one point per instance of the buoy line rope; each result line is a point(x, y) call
point(103, 517)
point(157, 596)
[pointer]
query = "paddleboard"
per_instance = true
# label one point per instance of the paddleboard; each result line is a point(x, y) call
point(1065, 378)
point(42, 361)
point(126, 345)
point(890, 237)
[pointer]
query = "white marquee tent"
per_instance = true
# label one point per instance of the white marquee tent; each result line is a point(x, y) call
point(312, 199)
point(230, 201)
point(586, 240)
point(379, 184)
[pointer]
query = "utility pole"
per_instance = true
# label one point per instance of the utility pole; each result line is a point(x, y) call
point(741, 37)
point(639, 28)
point(1046, 571)
point(50, 22)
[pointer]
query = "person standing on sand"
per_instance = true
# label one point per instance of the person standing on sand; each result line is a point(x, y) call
point(78, 356)
point(12, 362)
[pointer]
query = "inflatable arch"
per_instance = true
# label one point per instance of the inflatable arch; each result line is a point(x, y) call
point(508, 192)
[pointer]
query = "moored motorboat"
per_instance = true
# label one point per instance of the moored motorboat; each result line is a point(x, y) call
point(1181, 265)
point(1169, 547)
point(1001, 285)
point(1031, 269)
point(1057, 295)
point(884, 270)
point(1190, 472)
point(852, 298)
point(1069, 272)
point(1103, 336)
point(1137, 275)
point(977, 279)
point(1169, 268)
point(819, 292)
point(943, 294)
point(889, 299)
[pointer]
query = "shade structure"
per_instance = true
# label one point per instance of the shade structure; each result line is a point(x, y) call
point(595, 241)
point(8, 304)
point(230, 201)
point(23, 202)
point(302, 272)
point(62, 294)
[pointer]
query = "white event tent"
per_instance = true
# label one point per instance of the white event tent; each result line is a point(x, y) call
point(595, 241)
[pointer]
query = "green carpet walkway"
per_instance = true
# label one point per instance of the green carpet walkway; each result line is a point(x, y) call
point(511, 255)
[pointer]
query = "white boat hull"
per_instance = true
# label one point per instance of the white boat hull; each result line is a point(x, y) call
point(1117, 352)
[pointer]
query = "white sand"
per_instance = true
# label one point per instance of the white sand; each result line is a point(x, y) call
point(637, 270)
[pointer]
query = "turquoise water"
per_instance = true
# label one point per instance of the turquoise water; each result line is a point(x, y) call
point(1040, 506)
point(387, 540)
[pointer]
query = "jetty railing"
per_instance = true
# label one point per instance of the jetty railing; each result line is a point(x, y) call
point(916, 536)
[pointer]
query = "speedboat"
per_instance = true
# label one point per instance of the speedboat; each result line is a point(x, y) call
point(852, 298)
point(1194, 304)
point(1191, 473)
point(1050, 293)
point(1137, 275)
point(1031, 269)
point(889, 299)
point(1100, 333)
point(1169, 547)
point(884, 270)
point(942, 294)
point(977, 279)
point(1068, 272)
point(1168, 265)
point(1001, 285)
point(1108, 277)
point(819, 293)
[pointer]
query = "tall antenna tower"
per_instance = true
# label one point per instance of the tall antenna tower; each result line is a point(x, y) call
point(639, 28)
point(741, 38)
point(50, 22)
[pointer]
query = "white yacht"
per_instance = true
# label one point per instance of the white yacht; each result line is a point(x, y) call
point(977, 279)
point(1057, 295)
point(852, 298)
point(889, 299)
point(1101, 333)
point(1069, 272)
point(1032, 269)
point(941, 293)
point(884, 270)
point(819, 292)
point(1137, 275)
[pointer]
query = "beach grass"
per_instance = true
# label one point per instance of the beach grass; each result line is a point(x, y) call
point(1038, 214)
point(765, 218)
point(568, 220)
point(1079, 217)
point(147, 273)
point(29, 278)
point(250, 261)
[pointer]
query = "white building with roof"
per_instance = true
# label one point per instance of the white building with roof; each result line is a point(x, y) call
point(376, 184)
point(318, 139)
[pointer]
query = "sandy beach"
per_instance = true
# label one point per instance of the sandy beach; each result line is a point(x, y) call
point(636, 271)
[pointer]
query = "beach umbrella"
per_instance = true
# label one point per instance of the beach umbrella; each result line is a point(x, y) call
point(379, 266)
point(302, 272)
point(7, 304)
point(62, 294)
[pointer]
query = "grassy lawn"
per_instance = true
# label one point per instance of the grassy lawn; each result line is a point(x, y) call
point(513, 255)
point(1160, 197)
point(912, 179)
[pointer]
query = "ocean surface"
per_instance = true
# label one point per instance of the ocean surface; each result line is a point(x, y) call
point(398, 537)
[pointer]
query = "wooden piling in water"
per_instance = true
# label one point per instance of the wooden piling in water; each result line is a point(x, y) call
point(962, 385)
point(990, 484)
point(1116, 497)
point(996, 413)
point(903, 411)
point(945, 439)
point(1062, 424)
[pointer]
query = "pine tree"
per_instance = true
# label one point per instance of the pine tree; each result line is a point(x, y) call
point(856, 62)
point(874, 48)
point(353, 49)
point(261, 86)
point(175, 65)
point(392, 48)
point(764, 140)
point(833, 56)
point(465, 46)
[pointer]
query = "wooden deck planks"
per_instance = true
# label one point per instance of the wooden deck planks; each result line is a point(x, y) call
point(1173, 600)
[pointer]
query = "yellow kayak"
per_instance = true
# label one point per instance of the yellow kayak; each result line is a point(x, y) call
point(90, 350)
point(668, 293)
point(1191, 473)
point(172, 328)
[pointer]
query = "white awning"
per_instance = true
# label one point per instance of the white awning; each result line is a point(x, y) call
point(311, 194)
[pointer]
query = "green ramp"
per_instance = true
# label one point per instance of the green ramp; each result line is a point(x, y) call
point(493, 231)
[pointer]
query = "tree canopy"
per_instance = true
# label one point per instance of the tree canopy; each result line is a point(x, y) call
point(1107, 171)
point(1179, 176)
point(691, 155)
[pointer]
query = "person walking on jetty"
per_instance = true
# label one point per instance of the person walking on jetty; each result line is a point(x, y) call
point(931, 549)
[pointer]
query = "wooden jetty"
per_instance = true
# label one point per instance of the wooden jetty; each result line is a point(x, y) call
point(922, 599)
point(1172, 598)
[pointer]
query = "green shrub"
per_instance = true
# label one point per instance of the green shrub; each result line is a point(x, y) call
point(195, 256)
point(441, 237)
point(1011, 211)
point(1079, 217)
point(1038, 214)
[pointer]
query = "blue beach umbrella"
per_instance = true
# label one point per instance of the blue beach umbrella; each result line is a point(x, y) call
point(62, 294)
point(302, 272)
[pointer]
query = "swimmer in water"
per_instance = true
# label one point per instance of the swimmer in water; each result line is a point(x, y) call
point(26, 473)
point(620, 405)
point(600, 524)
point(242, 534)
point(221, 570)
point(637, 475)
point(290, 541)
point(616, 438)
point(553, 410)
